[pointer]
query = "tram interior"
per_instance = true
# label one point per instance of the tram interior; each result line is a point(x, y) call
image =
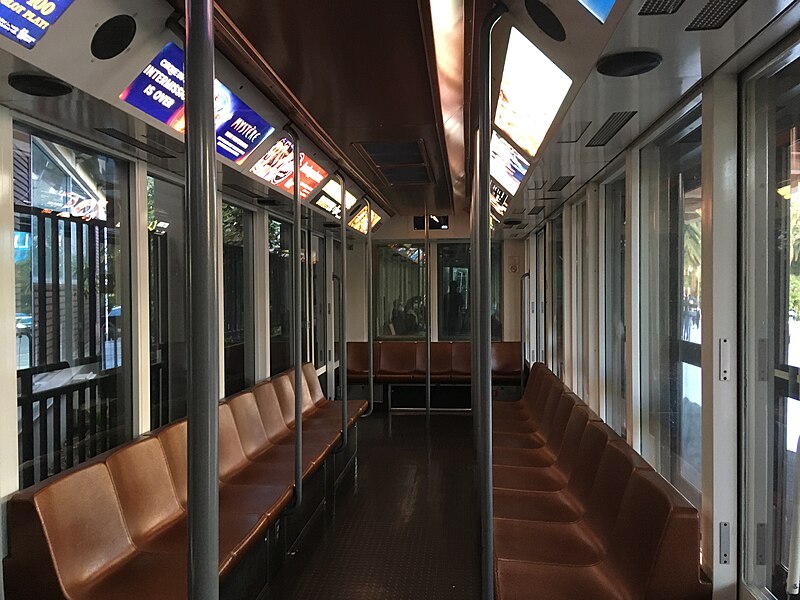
point(506, 304)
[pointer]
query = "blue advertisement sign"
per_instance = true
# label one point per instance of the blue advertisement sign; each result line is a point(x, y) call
point(159, 92)
point(27, 21)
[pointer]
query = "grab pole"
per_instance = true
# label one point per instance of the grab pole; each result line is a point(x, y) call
point(370, 328)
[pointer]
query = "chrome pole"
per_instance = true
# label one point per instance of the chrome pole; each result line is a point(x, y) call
point(343, 309)
point(522, 328)
point(297, 315)
point(427, 318)
point(483, 309)
point(204, 223)
point(370, 317)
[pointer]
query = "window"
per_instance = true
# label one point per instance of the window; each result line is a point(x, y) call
point(167, 270)
point(237, 272)
point(72, 304)
point(771, 283)
point(454, 291)
point(557, 291)
point(616, 392)
point(399, 277)
point(280, 296)
point(318, 299)
point(671, 193)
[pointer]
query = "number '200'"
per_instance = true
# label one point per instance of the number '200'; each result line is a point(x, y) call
point(43, 6)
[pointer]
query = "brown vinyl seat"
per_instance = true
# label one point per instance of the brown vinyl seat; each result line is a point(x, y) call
point(653, 554)
point(326, 409)
point(441, 363)
point(462, 362)
point(358, 361)
point(397, 362)
point(506, 362)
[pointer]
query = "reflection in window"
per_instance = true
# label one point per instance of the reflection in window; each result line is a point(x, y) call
point(237, 272)
point(72, 305)
point(454, 291)
point(399, 291)
point(169, 351)
point(280, 296)
point(318, 299)
point(671, 189)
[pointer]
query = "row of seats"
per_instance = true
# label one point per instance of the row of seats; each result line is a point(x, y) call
point(451, 362)
point(578, 513)
point(116, 527)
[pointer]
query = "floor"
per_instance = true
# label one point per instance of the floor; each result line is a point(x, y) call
point(405, 528)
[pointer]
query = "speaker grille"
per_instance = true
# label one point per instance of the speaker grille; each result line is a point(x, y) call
point(660, 7)
point(715, 14)
point(560, 183)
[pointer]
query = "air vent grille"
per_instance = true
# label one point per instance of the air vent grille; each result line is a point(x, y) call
point(610, 128)
point(660, 7)
point(715, 14)
point(535, 210)
point(398, 163)
point(560, 183)
point(132, 141)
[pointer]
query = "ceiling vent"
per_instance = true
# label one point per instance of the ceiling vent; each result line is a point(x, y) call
point(113, 37)
point(660, 7)
point(715, 14)
point(535, 210)
point(610, 128)
point(132, 141)
point(546, 19)
point(398, 163)
point(629, 63)
point(38, 84)
point(560, 183)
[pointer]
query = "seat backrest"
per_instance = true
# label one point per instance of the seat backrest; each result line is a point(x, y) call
point(544, 426)
point(536, 377)
point(618, 463)
point(441, 358)
point(232, 458)
point(285, 394)
point(398, 358)
point(308, 402)
point(506, 358)
point(590, 452)
point(642, 538)
point(144, 487)
point(461, 358)
point(83, 524)
point(357, 360)
point(566, 402)
point(269, 408)
point(312, 381)
point(173, 444)
point(536, 399)
point(570, 444)
point(252, 435)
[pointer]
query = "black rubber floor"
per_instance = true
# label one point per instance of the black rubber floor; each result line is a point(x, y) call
point(405, 528)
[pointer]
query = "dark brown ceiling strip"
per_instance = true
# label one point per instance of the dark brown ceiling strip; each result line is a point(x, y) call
point(235, 46)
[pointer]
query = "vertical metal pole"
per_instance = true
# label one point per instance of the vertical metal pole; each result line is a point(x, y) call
point(370, 317)
point(343, 308)
point(297, 329)
point(427, 318)
point(482, 323)
point(522, 328)
point(201, 191)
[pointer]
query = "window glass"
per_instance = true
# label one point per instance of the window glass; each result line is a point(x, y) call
point(672, 417)
point(280, 296)
point(167, 274)
point(237, 272)
point(557, 292)
point(771, 275)
point(318, 299)
point(616, 393)
point(72, 304)
point(399, 287)
point(454, 282)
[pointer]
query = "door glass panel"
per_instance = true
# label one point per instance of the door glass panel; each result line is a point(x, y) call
point(672, 375)
point(399, 277)
point(280, 296)
point(71, 258)
point(167, 270)
point(318, 299)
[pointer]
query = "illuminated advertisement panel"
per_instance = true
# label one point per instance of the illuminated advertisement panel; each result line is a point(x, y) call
point(359, 222)
point(531, 92)
point(27, 21)
point(599, 8)
point(329, 199)
point(277, 167)
point(498, 200)
point(158, 91)
point(506, 165)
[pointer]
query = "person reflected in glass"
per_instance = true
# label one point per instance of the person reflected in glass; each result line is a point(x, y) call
point(453, 305)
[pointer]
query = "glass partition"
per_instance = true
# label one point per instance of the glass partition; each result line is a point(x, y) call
point(280, 296)
point(399, 288)
point(167, 273)
point(237, 273)
point(71, 257)
point(672, 209)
